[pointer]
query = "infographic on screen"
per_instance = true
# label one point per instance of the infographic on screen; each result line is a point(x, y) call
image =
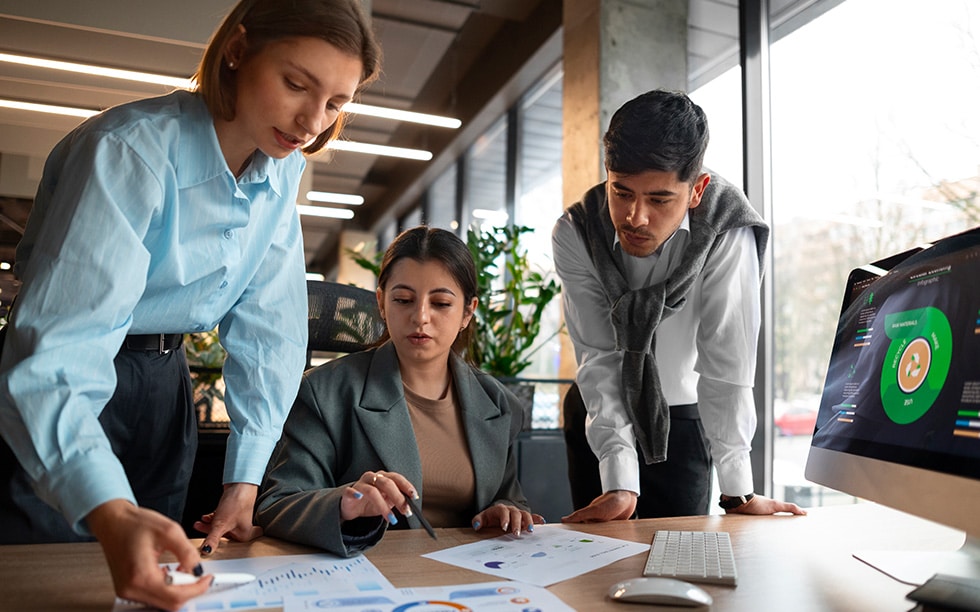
point(903, 382)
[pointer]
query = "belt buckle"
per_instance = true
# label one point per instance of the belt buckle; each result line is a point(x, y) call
point(163, 349)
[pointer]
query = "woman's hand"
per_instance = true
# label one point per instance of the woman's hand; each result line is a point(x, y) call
point(232, 518)
point(508, 517)
point(132, 541)
point(376, 494)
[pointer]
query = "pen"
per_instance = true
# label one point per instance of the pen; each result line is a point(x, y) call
point(220, 580)
point(417, 511)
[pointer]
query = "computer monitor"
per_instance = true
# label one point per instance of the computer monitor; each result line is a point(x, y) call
point(899, 418)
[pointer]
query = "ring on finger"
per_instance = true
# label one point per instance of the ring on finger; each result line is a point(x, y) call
point(375, 479)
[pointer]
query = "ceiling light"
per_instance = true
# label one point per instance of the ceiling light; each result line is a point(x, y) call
point(401, 115)
point(48, 108)
point(323, 211)
point(334, 198)
point(339, 145)
point(372, 149)
point(113, 73)
point(184, 83)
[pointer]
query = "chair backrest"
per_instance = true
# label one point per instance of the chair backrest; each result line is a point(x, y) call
point(343, 318)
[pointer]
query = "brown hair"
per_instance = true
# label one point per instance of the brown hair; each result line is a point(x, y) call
point(341, 23)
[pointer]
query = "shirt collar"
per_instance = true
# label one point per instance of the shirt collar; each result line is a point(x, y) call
point(200, 155)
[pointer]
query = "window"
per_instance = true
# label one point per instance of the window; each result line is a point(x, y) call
point(874, 150)
point(440, 210)
point(538, 206)
point(486, 178)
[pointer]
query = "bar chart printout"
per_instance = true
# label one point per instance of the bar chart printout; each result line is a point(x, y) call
point(279, 577)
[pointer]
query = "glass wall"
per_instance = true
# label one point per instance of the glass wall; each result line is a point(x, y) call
point(538, 206)
point(440, 209)
point(485, 200)
point(876, 146)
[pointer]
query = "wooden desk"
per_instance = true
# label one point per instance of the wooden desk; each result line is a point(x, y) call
point(784, 563)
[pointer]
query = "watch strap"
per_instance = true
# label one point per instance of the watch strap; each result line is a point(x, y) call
point(727, 502)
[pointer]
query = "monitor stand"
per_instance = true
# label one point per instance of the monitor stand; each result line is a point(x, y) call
point(915, 567)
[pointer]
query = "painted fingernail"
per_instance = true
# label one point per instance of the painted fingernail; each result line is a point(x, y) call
point(199, 569)
point(206, 549)
point(476, 524)
point(530, 528)
point(415, 494)
point(504, 526)
point(358, 494)
point(392, 519)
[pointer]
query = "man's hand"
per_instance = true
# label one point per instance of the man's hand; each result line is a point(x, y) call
point(132, 541)
point(610, 506)
point(232, 518)
point(765, 505)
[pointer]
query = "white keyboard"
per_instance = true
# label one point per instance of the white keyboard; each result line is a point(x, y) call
point(694, 556)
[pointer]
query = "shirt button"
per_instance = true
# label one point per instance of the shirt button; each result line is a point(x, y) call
point(228, 233)
point(223, 285)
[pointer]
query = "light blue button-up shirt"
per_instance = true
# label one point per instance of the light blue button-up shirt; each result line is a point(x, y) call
point(140, 227)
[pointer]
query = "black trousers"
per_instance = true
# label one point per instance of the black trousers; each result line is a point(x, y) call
point(680, 486)
point(152, 427)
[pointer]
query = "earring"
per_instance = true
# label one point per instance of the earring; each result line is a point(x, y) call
point(231, 65)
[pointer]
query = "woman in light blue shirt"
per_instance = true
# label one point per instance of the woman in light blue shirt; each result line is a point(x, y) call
point(156, 218)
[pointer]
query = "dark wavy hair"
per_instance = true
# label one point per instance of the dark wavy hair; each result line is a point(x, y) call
point(341, 23)
point(660, 130)
point(423, 243)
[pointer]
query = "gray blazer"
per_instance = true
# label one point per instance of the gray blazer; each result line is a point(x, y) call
point(351, 417)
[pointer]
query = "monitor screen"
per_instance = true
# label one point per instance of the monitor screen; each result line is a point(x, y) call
point(899, 418)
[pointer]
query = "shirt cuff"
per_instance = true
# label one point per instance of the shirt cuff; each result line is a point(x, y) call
point(620, 471)
point(88, 483)
point(246, 458)
point(735, 476)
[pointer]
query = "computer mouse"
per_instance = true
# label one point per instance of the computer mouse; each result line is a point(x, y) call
point(664, 591)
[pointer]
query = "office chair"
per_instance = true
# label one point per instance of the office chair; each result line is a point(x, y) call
point(343, 318)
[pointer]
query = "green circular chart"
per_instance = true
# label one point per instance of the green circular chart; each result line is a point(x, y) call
point(916, 363)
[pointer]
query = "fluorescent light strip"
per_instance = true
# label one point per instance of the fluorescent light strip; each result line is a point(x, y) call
point(334, 198)
point(372, 149)
point(159, 79)
point(48, 108)
point(339, 145)
point(323, 211)
point(113, 73)
point(400, 115)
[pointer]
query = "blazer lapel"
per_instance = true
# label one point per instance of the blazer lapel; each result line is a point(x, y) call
point(384, 416)
point(488, 438)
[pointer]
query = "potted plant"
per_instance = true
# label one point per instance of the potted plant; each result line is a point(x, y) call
point(205, 357)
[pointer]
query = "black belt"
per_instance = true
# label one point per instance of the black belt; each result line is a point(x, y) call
point(685, 411)
point(161, 343)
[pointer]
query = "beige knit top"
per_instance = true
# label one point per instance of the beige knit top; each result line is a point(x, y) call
point(449, 486)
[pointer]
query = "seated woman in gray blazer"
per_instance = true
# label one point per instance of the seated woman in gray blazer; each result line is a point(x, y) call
point(409, 417)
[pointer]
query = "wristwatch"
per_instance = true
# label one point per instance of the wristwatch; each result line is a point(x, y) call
point(730, 503)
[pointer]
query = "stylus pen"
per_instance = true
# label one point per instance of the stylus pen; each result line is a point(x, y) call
point(220, 579)
point(417, 511)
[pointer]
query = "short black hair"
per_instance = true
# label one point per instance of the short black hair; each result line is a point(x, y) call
point(660, 130)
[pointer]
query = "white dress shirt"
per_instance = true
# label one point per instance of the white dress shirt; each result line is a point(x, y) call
point(705, 352)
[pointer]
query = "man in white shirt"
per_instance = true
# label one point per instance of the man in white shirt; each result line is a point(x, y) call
point(660, 267)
